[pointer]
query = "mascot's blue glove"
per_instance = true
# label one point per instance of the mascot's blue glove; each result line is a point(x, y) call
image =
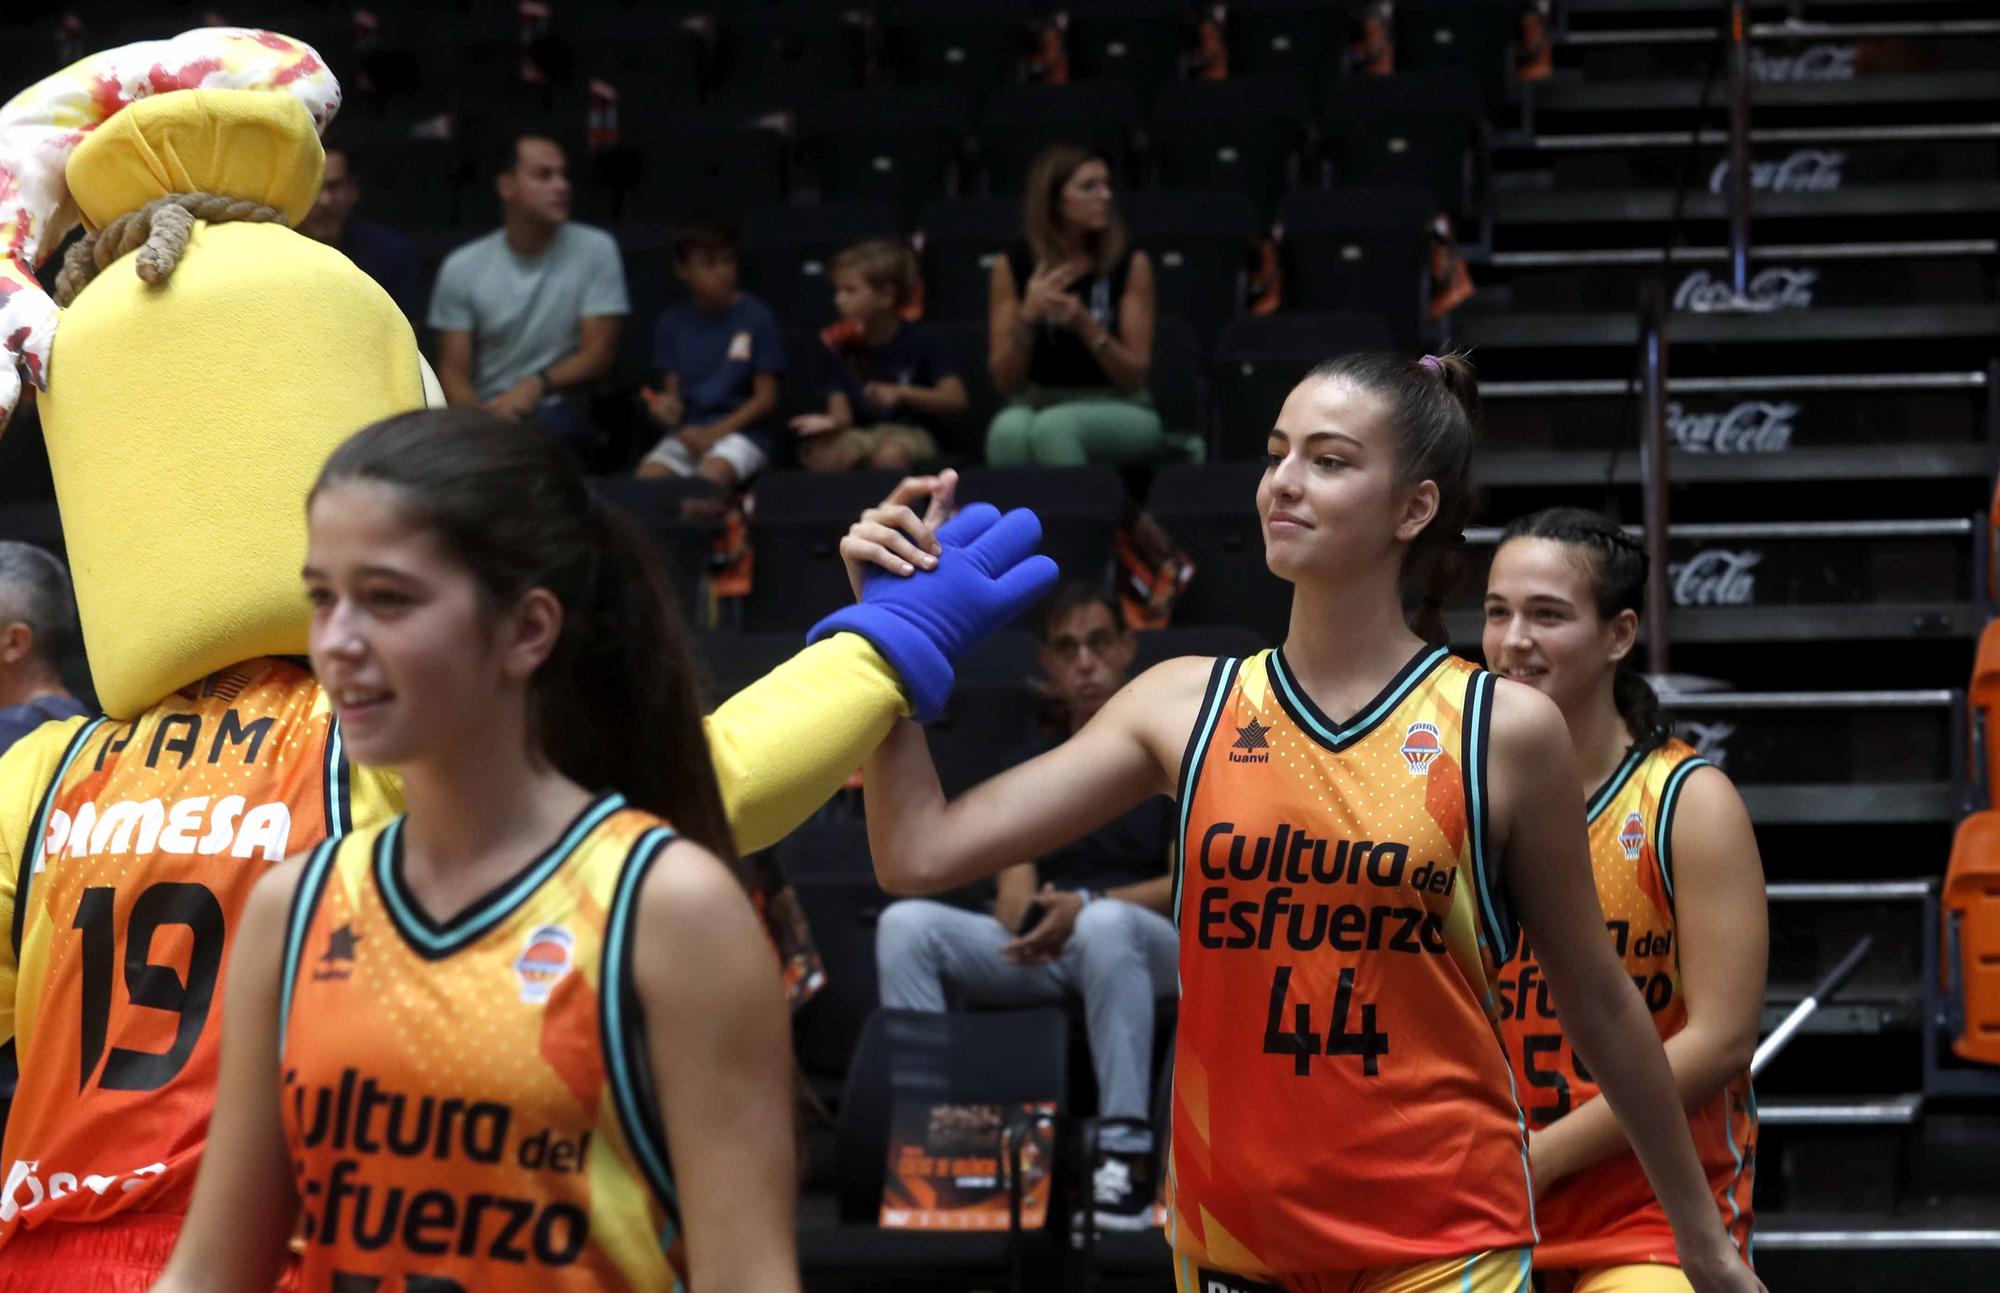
point(987, 573)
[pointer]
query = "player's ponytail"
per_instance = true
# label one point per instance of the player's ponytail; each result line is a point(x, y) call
point(1617, 566)
point(1433, 404)
point(614, 706)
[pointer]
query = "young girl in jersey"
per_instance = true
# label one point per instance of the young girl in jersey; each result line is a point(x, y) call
point(458, 1045)
point(1362, 817)
point(1683, 893)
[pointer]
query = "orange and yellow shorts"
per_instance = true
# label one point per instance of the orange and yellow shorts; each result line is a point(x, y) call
point(1501, 1270)
point(1643, 1277)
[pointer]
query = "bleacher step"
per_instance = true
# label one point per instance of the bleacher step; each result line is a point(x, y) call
point(1879, 1111)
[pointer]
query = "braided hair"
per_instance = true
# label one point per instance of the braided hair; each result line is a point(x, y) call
point(1617, 566)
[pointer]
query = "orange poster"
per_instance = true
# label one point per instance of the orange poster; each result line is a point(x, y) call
point(948, 1171)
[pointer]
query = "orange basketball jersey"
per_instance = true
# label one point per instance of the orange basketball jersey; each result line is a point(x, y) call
point(469, 1105)
point(144, 850)
point(1608, 1214)
point(1341, 1099)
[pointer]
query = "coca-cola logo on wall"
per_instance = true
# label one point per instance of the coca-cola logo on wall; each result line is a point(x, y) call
point(1715, 577)
point(1753, 426)
point(1709, 740)
point(1821, 62)
point(1780, 287)
point(1807, 170)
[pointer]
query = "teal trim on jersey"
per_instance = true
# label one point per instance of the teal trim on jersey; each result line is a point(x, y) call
point(1339, 736)
point(305, 901)
point(434, 940)
point(1610, 789)
point(1521, 1122)
point(1496, 926)
point(31, 858)
point(1663, 827)
point(1221, 684)
point(339, 784)
point(621, 1029)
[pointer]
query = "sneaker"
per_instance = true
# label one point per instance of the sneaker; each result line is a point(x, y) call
point(1122, 1192)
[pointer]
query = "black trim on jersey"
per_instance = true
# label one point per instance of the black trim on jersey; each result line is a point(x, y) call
point(1496, 918)
point(38, 835)
point(1600, 798)
point(299, 915)
point(1221, 678)
point(1663, 826)
point(338, 783)
point(1338, 737)
point(433, 939)
point(620, 1020)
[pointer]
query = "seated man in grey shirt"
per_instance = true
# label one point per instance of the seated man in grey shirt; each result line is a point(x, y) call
point(528, 316)
point(37, 624)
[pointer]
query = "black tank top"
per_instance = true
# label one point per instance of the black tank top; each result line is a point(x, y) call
point(1060, 357)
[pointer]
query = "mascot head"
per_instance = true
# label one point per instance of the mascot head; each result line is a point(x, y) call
point(208, 358)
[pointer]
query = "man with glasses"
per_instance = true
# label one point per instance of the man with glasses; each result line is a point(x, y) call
point(1088, 921)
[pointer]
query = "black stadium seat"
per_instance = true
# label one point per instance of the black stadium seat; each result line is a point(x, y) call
point(1211, 511)
point(716, 162)
point(966, 340)
point(789, 53)
point(788, 250)
point(1258, 360)
point(1361, 248)
point(796, 529)
point(1079, 507)
point(974, 45)
point(961, 237)
point(899, 147)
point(1140, 42)
point(1244, 134)
point(1416, 128)
point(1470, 35)
point(1200, 244)
point(1021, 120)
point(653, 60)
point(1301, 37)
point(1174, 378)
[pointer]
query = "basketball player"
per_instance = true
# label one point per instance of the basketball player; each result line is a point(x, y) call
point(460, 1042)
point(1363, 816)
point(1682, 888)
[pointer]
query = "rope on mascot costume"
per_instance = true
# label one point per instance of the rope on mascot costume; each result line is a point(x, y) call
point(159, 232)
point(42, 126)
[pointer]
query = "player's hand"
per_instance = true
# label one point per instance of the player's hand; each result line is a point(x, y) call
point(1045, 942)
point(663, 407)
point(892, 536)
point(811, 424)
point(1720, 1268)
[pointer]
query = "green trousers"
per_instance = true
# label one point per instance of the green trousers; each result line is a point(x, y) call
point(1048, 427)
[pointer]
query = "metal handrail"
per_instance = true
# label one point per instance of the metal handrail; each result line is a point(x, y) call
point(1480, 536)
point(1697, 255)
point(1586, 387)
point(1767, 135)
point(1850, 891)
point(1785, 31)
point(1738, 184)
point(1928, 698)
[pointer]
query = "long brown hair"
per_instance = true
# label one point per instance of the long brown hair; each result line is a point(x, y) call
point(614, 706)
point(1433, 404)
point(1041, 215)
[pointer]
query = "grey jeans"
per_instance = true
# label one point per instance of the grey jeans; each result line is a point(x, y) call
point(1119, 959)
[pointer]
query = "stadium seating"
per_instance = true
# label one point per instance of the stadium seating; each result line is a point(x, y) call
point(1296, 37)
point(1259, 359)
point(787, 253)
point(1971, 952)
point(1420, 128)
point(718, 162)
point(1140, 42)
point(974, 45)
point(1242, 135)
point(790, 53)
point(961, 237)
point(1200, 244)
point(1021, 120)
point(1361, 248)
point(899, 147)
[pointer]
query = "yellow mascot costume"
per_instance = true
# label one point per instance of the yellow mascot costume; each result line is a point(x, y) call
point(207, 360)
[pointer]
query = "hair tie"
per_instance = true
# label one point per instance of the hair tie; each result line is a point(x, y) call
point(1433, 363)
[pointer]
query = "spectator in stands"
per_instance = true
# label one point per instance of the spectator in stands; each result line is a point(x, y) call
point(379, 251)
point(718, 356)
point(890, 381)
point(37, 624)
point(528, 316)
point(1088, 920)
point(1070, 325)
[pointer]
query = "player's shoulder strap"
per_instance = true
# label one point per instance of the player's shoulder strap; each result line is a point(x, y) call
point(299, 918)
point(1214, 701)
point(23, 764)
point(1497, 925)
point(622, 1026)
point(1674, 763)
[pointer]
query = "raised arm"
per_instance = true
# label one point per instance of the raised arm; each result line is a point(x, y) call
point(924, 844)
point(244, 1204)
point(716, 1028)
point(1723, 935)
point(1546, 870)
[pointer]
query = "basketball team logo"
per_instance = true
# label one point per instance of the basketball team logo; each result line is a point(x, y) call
point(543, 962)
point(1632, 837)
point(1421, 746)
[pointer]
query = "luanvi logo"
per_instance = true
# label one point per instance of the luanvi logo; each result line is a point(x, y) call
point(337, 962)
point(1252, 744)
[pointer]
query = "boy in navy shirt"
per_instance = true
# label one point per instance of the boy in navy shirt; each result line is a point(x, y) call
point(890, 383)
point(718, 357)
